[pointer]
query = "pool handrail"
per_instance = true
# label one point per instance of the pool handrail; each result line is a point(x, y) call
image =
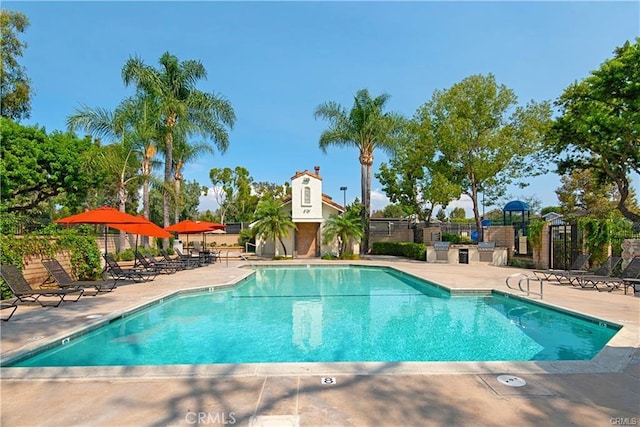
point(528, 278)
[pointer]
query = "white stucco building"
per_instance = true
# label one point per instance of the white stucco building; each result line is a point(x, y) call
point(309, 208)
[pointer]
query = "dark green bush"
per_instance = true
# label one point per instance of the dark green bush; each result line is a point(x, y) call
point(405, 249)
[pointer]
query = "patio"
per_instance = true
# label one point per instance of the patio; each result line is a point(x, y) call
point(603, 391)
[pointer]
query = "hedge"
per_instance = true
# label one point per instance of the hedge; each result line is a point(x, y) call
point(410, 250)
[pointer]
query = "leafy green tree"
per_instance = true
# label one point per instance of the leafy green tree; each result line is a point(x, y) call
point(548, 209)
point(209, 216)
point(494, 215)
point(412, 179)
point(582, 194)
point(15, 86)
point(391, 211)
point(365, 127)
point(343, 227)
point(191, 200)
point(37, 169)
point(484, 140)
point(599, 125)
point(272, 222)
point(183, 108)
point(457, 213)
point(441, 215)
point(271, 189)
point(233, 190)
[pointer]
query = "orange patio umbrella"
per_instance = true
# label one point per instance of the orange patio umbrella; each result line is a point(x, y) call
point(194, 227)
point(191, 227)
point(142, 229)
point(146, 229)
point(104, 215)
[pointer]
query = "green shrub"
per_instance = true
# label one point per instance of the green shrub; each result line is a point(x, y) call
point(126, 255)
point(405, 249)
point(78, 242)
point(521, 263)
point(456, 238)
point(328, 257)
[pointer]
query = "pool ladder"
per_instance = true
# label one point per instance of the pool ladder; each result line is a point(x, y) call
point(523, 277)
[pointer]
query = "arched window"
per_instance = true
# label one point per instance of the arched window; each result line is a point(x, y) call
point(306, 196)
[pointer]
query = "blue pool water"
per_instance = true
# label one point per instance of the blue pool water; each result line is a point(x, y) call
point(341, 314)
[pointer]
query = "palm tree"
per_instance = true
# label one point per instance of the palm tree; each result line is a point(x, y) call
point(366, 127)
point(135, 120)
point(182, 106)
point(272, 222)
point(116, 159)
point(343, 227)
point(144, 116)
point(119, 159)
point(183, 154)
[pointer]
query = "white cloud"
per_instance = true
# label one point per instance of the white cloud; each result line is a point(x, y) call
point(463, 202)
point(208, 202)
point(378, 200)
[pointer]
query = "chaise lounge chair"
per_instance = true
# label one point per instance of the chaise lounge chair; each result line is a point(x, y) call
point(186, 260)
point(65, 281)
point(629, 277)
point(153, 265)
point(175, 263)
point(24, 293)
point(9, 304)
point(119, 273)
point(577, 267)
point(607, 269)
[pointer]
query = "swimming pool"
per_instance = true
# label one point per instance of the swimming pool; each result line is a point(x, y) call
point(337, 314)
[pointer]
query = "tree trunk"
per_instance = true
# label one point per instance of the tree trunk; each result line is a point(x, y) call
point(623, 189)
point(366, 160)
point(122, 203)
point(176, 206)
point(476, 212)
point(284, 248)
point(146, 173)
point(168, 179)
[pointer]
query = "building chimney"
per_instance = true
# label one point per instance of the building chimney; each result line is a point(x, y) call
point(317, 169)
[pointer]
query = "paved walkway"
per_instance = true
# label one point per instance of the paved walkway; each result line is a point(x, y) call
point(601, 392)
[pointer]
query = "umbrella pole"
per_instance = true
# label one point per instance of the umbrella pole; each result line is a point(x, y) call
point(136, 251)
point(105, 248)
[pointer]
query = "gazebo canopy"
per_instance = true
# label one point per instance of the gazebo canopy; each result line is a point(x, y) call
point(516, 206)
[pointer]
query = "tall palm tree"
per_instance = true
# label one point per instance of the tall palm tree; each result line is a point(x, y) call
point(134, 120)
point(144, 115)
point(365, 127)
point(118, 159)
point(272, 222)
point(184, 152)
point(182, 106)
point(343, 227)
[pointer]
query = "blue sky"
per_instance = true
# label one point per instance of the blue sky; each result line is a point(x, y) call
point(276, 61)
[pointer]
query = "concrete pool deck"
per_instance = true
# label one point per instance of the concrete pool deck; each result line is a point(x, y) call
point(599, 392)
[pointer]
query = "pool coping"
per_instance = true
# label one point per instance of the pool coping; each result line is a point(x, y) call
point(614, 357)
